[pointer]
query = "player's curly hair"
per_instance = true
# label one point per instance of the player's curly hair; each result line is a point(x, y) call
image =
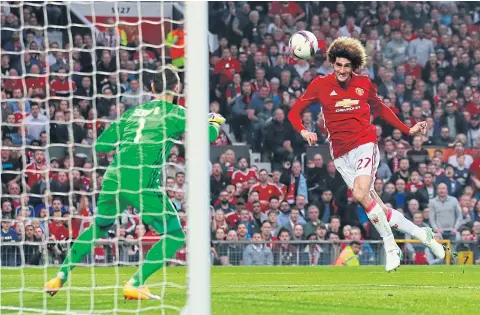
point(348, 48)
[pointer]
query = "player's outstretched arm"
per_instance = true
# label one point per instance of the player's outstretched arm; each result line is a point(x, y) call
point(177, 120)
point(295, 114)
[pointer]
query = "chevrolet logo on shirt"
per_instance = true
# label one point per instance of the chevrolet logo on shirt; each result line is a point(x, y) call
point(346, 105)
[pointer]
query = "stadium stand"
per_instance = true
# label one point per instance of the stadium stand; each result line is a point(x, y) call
point(423, 56)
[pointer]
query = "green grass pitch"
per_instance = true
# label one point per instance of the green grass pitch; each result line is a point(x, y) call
point(258, 291)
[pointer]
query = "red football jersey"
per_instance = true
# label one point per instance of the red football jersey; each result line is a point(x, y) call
point(62, 88)
point(33, 173)
point(268, 191)
point(346, 111)
point(240, 177)
point(36, 82)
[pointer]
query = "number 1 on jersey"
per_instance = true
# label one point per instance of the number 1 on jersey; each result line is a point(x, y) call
point(141, 125)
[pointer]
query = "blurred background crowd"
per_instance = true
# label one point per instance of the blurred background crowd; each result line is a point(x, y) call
point(58, 96)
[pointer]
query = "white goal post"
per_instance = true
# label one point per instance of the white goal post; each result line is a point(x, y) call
point(197, 154)
point(22, 282)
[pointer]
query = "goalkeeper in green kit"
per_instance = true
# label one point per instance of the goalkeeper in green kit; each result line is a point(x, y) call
point(144, 136)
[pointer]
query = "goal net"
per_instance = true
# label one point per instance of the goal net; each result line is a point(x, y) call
point(69, 71)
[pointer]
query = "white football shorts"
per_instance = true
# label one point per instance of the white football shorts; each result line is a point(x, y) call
point(362, 160)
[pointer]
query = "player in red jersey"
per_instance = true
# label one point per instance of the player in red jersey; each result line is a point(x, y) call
point(346, 99)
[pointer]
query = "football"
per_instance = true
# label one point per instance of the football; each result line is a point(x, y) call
point(303, 45)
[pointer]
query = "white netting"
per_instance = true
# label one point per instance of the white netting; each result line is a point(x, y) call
point(69, 69)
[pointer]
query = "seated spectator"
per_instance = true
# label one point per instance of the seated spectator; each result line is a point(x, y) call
point(57, 206)
point(257, 254)
point(136, 96)
point(244, 173)
point(460, 151)
point(401, 197)
point(295, 181)
point(266, 231)
point(265, 189)
point(334, 225)
point(294, 219)
point(9, 253)
point(285, 254)
point(454, 120)
point(414, 183)
point(453, 185)
point(312, 220)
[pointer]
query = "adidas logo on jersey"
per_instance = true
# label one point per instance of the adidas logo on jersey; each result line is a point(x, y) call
point(333, 93)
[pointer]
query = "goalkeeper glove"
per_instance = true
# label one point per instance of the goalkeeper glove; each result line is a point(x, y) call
point(216, 119)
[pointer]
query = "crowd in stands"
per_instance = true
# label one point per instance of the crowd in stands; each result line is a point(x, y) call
point(423, 56)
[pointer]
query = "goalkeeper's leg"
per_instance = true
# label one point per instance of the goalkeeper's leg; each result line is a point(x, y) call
point(158, 212)
point(106, 214)
point(158, 255)
point(397, 221)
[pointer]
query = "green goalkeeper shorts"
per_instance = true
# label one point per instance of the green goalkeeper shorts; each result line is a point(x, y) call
point(151, 205)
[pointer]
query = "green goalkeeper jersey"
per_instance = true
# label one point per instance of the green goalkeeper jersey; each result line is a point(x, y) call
point(144, 136)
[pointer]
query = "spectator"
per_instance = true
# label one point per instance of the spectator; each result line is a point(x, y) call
point(62, 86)
point(10, 167)
point(326, 206)
point(110, 37)
point(33, 170)
point(9, 253)
point(334, 225)
point(316, 174)
point(466, 245)
point(135, 96)
point(349, 255)
point(258, 216)
point(453, 120)
point(243, 174)
point(403, 171)
point(474, 131)
point(33, 252)
point(445, 212)
point(267, 236)
point(239, 110)
point(349, 28)
point(418, 154)
point(448, 178)
point(226, 67)
point(421, 48)
point(218, 181)
point(257, 254)
point(460, 151)
point(396, 49)
point(312, 221)
point(265, 189)
point(401, 197)
point(366, 255)
point(285, 254)
point(278, 136)
point(294, 180)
